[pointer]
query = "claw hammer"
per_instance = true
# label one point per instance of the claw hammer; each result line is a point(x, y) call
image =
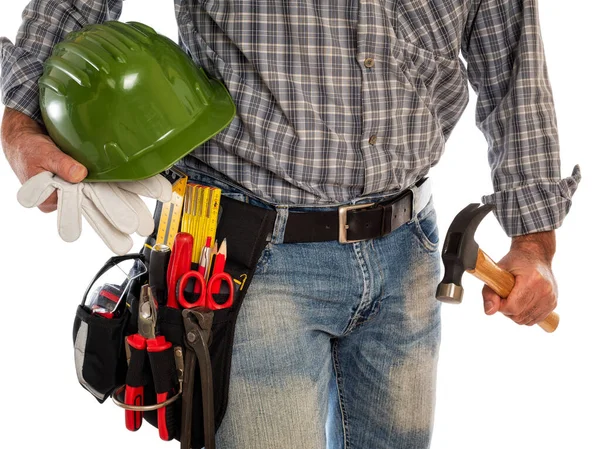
point(462, 253)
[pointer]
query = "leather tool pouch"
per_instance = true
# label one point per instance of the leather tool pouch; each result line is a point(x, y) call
point(246, 228)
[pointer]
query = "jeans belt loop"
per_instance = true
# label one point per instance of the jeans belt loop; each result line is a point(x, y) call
point(277, 236)
point(414, 205)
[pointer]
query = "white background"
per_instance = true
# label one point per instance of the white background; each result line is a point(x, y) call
point(499, 385)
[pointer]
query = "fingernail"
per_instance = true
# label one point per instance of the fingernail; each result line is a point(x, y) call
point(488, 306)
point(77, 171)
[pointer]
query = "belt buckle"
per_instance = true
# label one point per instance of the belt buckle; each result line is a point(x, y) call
point(343, 221)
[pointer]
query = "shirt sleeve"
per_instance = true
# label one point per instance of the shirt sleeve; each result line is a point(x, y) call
point(45, 23)
point(506, 67)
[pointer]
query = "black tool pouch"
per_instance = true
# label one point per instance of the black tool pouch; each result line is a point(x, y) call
point(99, 345)
point(246, 228)
point(99, 338)
point(100, 342)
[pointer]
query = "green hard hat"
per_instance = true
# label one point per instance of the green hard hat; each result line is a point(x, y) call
point(127, 102)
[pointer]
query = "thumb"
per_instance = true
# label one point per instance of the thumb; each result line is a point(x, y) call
point(61, 164)
point(491, 300)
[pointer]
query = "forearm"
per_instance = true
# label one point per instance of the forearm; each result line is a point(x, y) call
point(541, 245)
point(27, 147)
point(14, 124)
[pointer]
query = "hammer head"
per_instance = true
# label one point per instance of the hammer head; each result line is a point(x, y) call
point(460, 250)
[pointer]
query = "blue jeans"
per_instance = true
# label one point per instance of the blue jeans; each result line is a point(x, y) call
point(336, 345)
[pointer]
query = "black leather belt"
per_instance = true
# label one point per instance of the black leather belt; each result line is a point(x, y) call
point(357, 222)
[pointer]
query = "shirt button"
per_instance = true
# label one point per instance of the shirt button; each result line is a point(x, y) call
point(369, 63)
point(373, 139)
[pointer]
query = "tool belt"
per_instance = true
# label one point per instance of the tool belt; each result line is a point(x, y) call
point(122, 355)
point(101, 351)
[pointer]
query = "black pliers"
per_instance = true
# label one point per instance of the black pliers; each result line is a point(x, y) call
point(198, 324)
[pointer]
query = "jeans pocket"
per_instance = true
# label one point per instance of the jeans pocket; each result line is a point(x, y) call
point(425, 225)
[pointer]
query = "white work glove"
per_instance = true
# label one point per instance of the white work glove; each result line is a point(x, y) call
point(113, 209)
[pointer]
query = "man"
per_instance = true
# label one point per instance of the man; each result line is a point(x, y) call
point(344, 103)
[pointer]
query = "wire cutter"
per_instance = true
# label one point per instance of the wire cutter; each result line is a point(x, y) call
point(146, 348)
point(137, 370)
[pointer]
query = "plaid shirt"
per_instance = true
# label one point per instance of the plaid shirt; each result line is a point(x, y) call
point(338, 99)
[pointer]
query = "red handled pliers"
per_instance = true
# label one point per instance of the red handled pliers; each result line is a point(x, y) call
point(148, 348)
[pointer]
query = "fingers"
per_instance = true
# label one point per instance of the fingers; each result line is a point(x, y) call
point(60, 163)
point(51, 159)
point(118, 242)
point(30, 151)
point(145, 218)
point(50, 205)
point(69, 211)
point(124, 210)
point(157, 187)
point(491, 301)
point(109, 200)
point(531, 300)
point(36, 190)
point(35, 153)
point(112, 212)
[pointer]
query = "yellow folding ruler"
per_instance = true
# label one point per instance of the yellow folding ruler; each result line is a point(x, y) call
point(201, 207)
point(170, 216)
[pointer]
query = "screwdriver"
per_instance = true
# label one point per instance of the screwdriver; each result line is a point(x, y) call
point(157, 273)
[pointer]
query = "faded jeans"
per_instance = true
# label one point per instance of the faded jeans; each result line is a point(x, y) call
point(336, 345)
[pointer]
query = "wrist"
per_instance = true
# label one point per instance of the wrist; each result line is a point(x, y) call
point(541, 245)
point(15, 124)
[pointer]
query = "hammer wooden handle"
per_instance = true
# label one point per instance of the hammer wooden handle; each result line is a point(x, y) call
point(502, 282)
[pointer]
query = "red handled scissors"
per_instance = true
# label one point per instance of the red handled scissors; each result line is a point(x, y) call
point(205, 298)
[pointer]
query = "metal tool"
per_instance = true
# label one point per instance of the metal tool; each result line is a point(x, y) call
point(197, 319)
point(462, 253)
point(157, 276)
point(148, 348)
point(134, 388)
point(205, 296)
point(198, 324)
point(170, 216)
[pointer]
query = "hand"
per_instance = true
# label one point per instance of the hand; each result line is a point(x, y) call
point(113, 209)
point(535, 292)
point(30, 151)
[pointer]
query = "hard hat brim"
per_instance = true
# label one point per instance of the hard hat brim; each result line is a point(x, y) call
point(166, 152)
